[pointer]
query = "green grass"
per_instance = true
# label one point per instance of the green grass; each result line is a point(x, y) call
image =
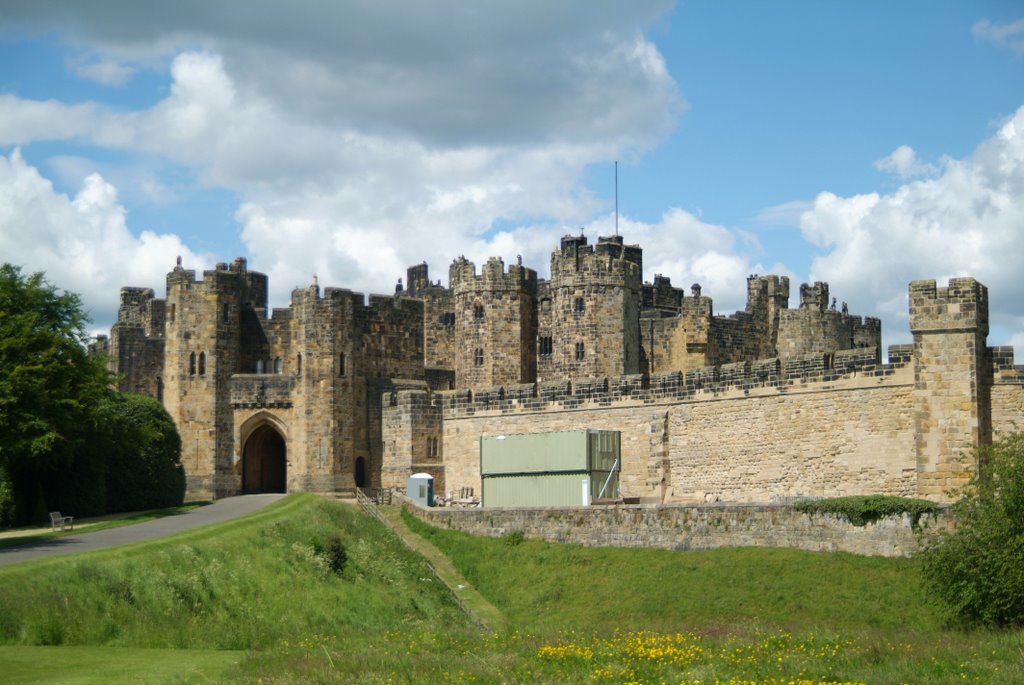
point(105, 665)
point(11, 539)
point(575, 614)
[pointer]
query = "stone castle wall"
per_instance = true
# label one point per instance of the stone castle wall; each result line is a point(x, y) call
point(740, 433)
point(678, 527)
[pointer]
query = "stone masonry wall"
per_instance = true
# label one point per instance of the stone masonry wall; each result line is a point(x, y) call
point(681, 528)
point(952, 410)
point(845, 434)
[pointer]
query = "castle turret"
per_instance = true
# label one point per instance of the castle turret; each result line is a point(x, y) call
point(136, 344)
point(594, 311)
point(952, 413)
point(495, 323)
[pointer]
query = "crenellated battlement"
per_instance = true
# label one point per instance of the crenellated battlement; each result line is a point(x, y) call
point(463, 278)
point(674, 386)
point(609, 263)
point(962, 305)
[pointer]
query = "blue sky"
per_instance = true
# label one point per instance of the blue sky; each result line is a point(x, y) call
point(865, 144)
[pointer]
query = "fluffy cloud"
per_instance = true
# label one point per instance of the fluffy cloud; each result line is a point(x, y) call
point(1010, 35)
point(106, 71)
point(967, 220)
point(904, 163)
point(82, 243)
point(362, 138)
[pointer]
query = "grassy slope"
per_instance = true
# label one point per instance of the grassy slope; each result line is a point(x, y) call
point(255, 584)
point(753, 615)
point(568, 586)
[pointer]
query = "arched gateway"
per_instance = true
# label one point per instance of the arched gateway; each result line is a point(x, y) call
point(264, 461)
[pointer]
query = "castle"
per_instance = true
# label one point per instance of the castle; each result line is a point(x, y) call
point(335, 392)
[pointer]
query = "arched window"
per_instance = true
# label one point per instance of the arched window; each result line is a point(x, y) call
point(192, 364)
point(580, 306)
point(341, 364)
point(580, 352)
point(478, 357)
point(278, 366)
point(259, 366)
point(202, 363)
point(478, 312)
point(298, 364)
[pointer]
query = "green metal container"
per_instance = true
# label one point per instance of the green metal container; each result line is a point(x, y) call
point(567, 468)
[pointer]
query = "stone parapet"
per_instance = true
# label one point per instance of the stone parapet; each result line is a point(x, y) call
point(684, 528)
point(673, 386)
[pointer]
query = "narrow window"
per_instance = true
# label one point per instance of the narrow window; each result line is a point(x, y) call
point(202, 363)
point(225, 312)
point(478, 312)
point(546, 346)
point(172, 312)
point(580, 352)
point(478, 357)
point(298, 364)
point(341, 364)
point(278, 366)
point(259, 366)
point(192, 364)
point(579, 306)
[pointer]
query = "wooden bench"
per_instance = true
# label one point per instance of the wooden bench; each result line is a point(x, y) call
point(57, 520)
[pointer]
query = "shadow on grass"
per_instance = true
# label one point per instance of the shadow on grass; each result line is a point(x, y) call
point(87, 526)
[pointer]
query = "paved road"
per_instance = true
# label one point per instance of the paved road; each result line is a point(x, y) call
point(221, 510)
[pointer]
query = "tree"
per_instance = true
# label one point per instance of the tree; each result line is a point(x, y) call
point(977, 571)
point(143, 454)
point(49, 387)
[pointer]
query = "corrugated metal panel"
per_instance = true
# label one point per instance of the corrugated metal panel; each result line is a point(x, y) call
point(534, 490)
point(534, 452)
point(604, 449)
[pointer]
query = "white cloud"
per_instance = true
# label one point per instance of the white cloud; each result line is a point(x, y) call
point(966, 221)
point(904, 163)
point(362, 138)
point(82, 243)
point(106, 71)
point(1009, 35)
point(784, 214)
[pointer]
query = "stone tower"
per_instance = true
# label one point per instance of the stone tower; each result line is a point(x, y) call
point(136, 345)
point(591, 310)
point(495, 323)
point(951, 392)
point(203, 328)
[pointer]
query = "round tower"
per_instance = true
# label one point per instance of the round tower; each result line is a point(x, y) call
point(495, 323)
point(595, 297)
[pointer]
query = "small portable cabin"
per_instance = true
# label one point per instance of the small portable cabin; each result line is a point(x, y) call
point(421, 488)
point(566, 468)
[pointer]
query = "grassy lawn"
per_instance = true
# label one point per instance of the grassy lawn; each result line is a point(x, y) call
point(12, 538)
point(104, 665)
point(264, 586)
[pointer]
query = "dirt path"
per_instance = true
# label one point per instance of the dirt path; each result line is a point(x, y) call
point(473, 602)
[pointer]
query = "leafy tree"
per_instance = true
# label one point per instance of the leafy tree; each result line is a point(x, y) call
point(49, 387)
point(143, 454)
point(977, 571)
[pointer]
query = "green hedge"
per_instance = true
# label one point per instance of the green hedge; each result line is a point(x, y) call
point(862, 509)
